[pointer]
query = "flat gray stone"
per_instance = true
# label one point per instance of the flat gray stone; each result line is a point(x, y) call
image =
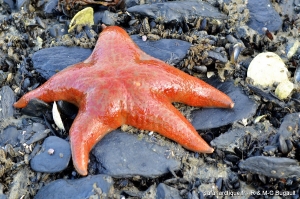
point(49, 61)
point(171, 51)
point(58, 161)
point(262, 14)
point(120, 154)
point(177, 10)
point(273, 167)
point(7, 99)
point(208, 118)
point(77, 189)
point(166, 192)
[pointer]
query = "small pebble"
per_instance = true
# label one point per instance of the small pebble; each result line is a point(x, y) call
point(144, 38)
point(48, 161)
point(50, 151)
point(284, 89)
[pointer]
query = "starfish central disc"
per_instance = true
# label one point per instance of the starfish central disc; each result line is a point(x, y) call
point(120, 84)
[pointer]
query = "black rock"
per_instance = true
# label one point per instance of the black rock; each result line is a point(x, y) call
point(271, 166)
point(266, 95)
point(288, 126)
point(10, 135)
point(7, 99)
point(49, 61)
point(36, 108)
point(166, 192)
point(44, 161)
point(262, 14)
point(177, 10)
point(208, 118)
point(81, 188)
point(171, 51)
point(120, 154)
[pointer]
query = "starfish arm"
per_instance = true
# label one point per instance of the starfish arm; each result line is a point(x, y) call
point(94, 120)
point(59, 87)
point(161, 116)
point(193, 91)
point(87, 129)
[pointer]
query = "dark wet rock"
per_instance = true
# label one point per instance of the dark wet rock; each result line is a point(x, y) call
point(36, 108)
point(67, 109)
point(171, 51)
point(7, 99)
point(120, 154)
point(262, 14)
point(217, 56)
point(165, 192)
point(51, 60)
point(51, 163)
point(208, 118)
point(10, 135)
point(177, 10)
point(109, 18)
point(273, 167)
point(88, 187)
point(288, 127)
point(267, 96)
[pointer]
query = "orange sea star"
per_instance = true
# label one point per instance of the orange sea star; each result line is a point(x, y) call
point(120, 84)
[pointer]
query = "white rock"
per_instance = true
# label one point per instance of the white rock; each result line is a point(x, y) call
point(266, 69)
point(284, 89)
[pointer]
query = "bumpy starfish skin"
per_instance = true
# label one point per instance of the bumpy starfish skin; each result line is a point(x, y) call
point(120, 84)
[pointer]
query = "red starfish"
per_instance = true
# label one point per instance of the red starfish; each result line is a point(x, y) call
point(120, 84)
